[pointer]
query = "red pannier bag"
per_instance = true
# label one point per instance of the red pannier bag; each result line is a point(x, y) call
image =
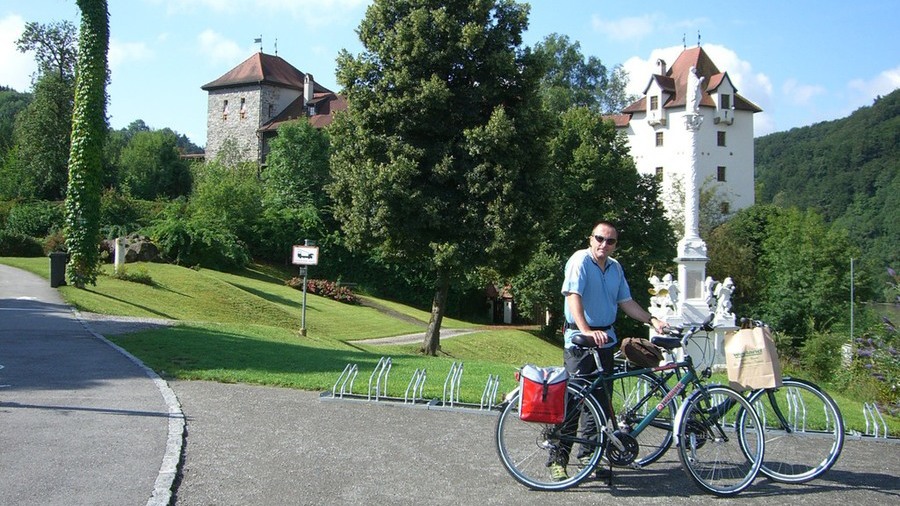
point(543, 394)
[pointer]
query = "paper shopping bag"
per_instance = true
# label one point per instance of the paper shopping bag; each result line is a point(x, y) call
point(752, 360)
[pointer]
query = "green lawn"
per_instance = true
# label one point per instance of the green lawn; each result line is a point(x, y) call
point(243, 327)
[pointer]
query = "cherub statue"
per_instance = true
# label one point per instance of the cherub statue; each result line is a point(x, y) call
point(723, 298)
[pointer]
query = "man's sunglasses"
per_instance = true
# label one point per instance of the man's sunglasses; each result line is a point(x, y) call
point(611, 241)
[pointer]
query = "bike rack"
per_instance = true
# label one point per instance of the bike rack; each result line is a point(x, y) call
point(414, 393)
point(416, 384)
point(870, 411)
point(382, 369)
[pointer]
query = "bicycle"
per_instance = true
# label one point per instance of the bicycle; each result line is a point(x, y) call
point(803, 426)
point(721, 457)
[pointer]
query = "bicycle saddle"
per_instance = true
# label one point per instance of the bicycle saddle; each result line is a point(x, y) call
point(583, 341)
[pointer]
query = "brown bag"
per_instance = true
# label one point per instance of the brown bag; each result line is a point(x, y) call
point(752, 360)
point(641, 352)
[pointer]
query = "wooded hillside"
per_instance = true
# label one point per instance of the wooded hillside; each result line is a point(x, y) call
point(848, 170)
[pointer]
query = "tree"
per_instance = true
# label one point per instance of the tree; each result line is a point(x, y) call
point(82, 229)
point(11, 103)
point(55, 48)
point(150, 166)
point(571, 80)
point(438, 160)
point(297, 168)
point(42, 131)
point(594, 179)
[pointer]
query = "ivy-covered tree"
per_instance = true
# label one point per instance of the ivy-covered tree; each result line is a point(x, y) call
point(89, 129)
point(438, 161)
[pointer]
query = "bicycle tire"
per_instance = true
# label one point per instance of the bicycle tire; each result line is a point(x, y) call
point(807, 440)
point(632, 398)
point(719, 454)
point(525, 448)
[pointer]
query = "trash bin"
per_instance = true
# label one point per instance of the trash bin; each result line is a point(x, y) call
point(58, 261)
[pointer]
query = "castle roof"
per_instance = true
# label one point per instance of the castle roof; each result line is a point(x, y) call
point(676, 78)
point(326, 104)
point(262, 68)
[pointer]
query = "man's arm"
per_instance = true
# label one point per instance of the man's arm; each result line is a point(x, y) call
point(634, 310)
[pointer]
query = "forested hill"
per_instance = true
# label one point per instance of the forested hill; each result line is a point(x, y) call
point(848, 170)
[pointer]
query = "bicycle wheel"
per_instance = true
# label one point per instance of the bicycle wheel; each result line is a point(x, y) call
point(632, 398)
point(719, 454)
point(526, 449)
point(804, 431)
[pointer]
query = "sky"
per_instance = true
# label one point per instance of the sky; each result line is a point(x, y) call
point(801, 61)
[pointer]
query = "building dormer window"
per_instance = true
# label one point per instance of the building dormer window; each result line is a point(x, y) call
point(243, 108)
point(225, 110)
point(654, 102)
point(725, 101)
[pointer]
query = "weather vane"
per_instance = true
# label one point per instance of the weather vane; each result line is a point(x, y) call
point(698, 38)
point(259, 41)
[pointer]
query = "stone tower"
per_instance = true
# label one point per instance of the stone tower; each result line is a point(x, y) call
point(246, 105)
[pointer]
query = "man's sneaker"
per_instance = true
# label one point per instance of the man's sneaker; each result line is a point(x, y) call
point(558, 472)
point(600, 471)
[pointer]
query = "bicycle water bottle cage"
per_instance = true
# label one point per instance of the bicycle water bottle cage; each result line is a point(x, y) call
point(669, 343)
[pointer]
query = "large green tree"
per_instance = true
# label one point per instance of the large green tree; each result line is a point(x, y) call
point(439, 158)
point(297, 168)
point(89, 129)
point(573, 80)
point(594, 179)
point(150, 166)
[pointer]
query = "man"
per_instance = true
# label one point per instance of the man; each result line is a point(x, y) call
point(595, 289)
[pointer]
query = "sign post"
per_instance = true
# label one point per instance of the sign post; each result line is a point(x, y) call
point(304, 256)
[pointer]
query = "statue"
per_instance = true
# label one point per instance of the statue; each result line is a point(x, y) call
point(694, 90)
point(723, 298)
point(709, 288)
point(672, 287)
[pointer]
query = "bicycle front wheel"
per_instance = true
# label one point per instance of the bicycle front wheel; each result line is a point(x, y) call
point(633, 397)
point(804, 431)
point(720, 455)
point(527, 449)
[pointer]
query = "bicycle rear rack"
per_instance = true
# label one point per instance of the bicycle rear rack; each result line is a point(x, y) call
point(413, 396)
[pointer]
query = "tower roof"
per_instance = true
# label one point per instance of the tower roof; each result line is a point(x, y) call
point(676, 78)
point(262, 68)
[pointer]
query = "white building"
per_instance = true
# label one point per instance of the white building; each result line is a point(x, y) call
point(655, 127)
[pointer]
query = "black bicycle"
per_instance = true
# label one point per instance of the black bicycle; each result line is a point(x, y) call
point(804, 429)
point(719, 454)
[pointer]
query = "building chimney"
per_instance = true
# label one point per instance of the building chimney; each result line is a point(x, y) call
point(661, 67)
point(308, 86)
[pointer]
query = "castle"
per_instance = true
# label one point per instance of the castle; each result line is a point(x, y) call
point(655, 128)
point(249, 102)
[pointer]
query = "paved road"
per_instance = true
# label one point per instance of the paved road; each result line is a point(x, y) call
point(84, 424)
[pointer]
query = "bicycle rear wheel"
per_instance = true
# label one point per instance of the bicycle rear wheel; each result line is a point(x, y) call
point(632, 398)
point(526, 449)
point(720, 455)
point(804, 430)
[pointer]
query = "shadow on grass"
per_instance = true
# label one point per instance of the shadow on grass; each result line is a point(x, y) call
point(131, 303)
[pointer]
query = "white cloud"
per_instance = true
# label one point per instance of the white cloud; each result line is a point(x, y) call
point(124, 52)
point(219, 48)
point(801, 94)
point(310, 12)
point(882, 84)
point(17, 67)
point(631, 28)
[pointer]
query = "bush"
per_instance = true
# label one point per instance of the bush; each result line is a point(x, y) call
point(137, 275)
point(325, 288)
point(19, 245)
point(877, 356)
point(191, 242)
point(35, 219)
point(821, 355)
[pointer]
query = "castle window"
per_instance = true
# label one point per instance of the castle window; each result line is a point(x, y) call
point(659, 173)
point(225, 110)
point(720, 138)
point(724, 208)
point(654, 102)
point(271, 111)
point(243, 108)
point(725, 101)
point(720, 174)
point(659, 139)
